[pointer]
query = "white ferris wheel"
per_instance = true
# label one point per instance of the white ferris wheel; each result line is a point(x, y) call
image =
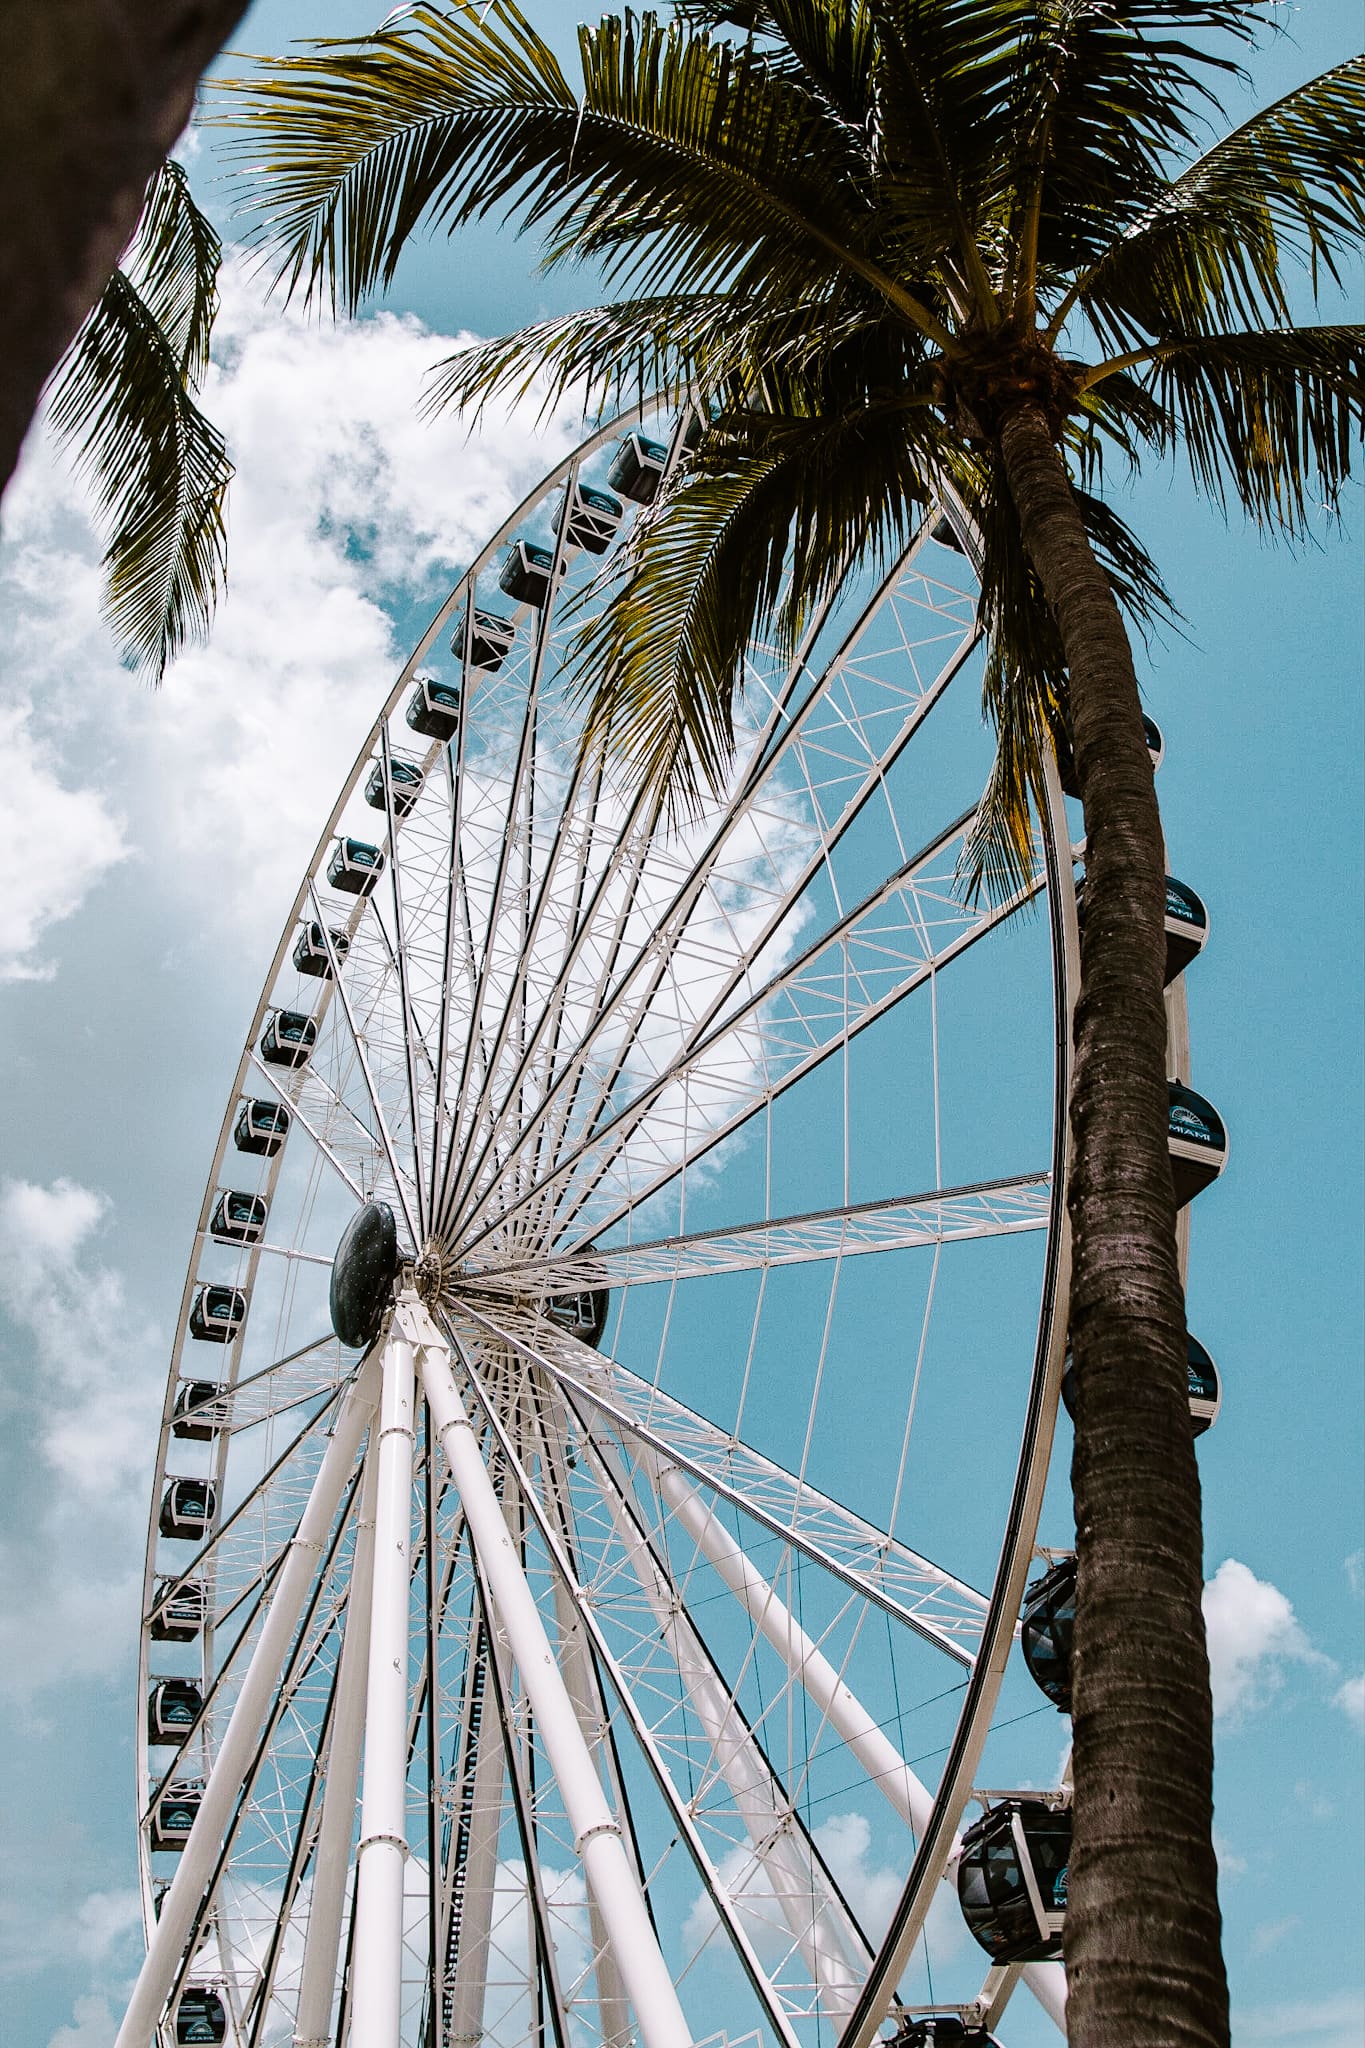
point(612, 1403)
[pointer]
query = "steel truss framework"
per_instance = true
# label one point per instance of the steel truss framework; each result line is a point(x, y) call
point(569, 1693)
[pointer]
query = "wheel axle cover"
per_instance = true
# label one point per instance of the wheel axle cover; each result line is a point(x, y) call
point(363, 1273)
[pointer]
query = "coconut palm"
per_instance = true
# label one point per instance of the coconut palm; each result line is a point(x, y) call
point(890, 246)
point(123, 398)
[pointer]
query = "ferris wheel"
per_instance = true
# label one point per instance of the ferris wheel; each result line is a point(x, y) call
point(604, 1444)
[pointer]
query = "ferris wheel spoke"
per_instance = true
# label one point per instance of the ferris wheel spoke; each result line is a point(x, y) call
point(774, 1829)
point(519, 824)
point(858, 969)
point(401, 1180)
point(996, 1208)
point(295, 1108)
point(914, 1590)
point(840, 781)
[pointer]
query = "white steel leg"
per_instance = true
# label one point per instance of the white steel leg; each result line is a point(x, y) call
point(840, 1706)
point(781, 1850)
point(381, 1859)
point(285, 1605)
point(332, 1851)
point(597, 1834)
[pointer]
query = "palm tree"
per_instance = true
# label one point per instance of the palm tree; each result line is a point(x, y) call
point(890, 245)
point(96, 92)
point(123, 398)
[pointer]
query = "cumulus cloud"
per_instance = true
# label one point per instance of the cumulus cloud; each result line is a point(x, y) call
point(82, 1381)
point(63, 840)
point(1253, 1634)
point(350, 517)
point(1337, 2021)
point(93, 2025)
point(1350, 1698)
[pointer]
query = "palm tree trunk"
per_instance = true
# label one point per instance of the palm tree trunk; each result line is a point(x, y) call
point(1143, 1927)
point(96, 92)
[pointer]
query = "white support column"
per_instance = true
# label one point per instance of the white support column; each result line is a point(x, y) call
point(841, 1707)
point(332, 1850)
point(597, 1834)
point(381, 1859)
point(284, 1605)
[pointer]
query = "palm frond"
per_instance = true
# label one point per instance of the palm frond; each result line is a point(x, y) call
point(1210, 253)
point(1024, 686)
point(123, 397)
point(1274, 419)
point(755, 533)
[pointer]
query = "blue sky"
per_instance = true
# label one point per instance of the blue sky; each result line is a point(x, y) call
point(155, 843)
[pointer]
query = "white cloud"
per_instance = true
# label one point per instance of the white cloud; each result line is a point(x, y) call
point(93, 2026)
point(1253, 1634)
point(83, 1381)
point(1350, 1697)
point(62, 841)
point(350, 516)
point(1337, 2021)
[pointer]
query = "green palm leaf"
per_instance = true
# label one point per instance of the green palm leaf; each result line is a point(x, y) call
point(123, 398)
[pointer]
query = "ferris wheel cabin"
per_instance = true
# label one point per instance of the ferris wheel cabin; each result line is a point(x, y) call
point(189, 1422)
point(405, 783)
point(288, 1038)
point(1198, 1142)
point(217, 1314)
point(173, 1707)
point(433, 709)
point(1066, 763)
point(1011, 1879)
point(238, 1218)
point(526, 573)
point(355, 866)
point(310, 950)
point(490, 640)
point(174, 1812)
point(1187, 927)
point(593, 519)
point(200, 2018)
point(178, 1609)
point(1205, 1383)
point(582, 1315)
point(186, 1508)
point(261, 1127)
point(1047, 1625)
point(637, 468)
point(941, 2030)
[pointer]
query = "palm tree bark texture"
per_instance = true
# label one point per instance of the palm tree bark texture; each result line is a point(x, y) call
point(1143, 1801)
point(95, 94)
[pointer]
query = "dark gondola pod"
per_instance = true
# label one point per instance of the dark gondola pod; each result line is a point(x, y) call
point(173, 1707)
point(173, 1813)
point(1047, 1624)
point(434, 709)
point(189, 1422)
point(310, 950)
point(178, 1608)
point(1187, 925)
point(405, 784)
point(1198, 1142)
point(526, 573)
point(1011, 1879)
point(217, 1314)
point(238, 1217)
point(637, 467)
point(288, 1038)
point(200, 2018)
point(261, 1127)
point(941, 2030)
point(491, 637)
point(355, 866)
point(186, 1508)
point(1205, 1383)
point(594, 517)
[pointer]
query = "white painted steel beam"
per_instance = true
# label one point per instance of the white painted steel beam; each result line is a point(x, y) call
point(332, 1850)
point(597, 1834)
point(381, 1858)
point(233, 1762)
